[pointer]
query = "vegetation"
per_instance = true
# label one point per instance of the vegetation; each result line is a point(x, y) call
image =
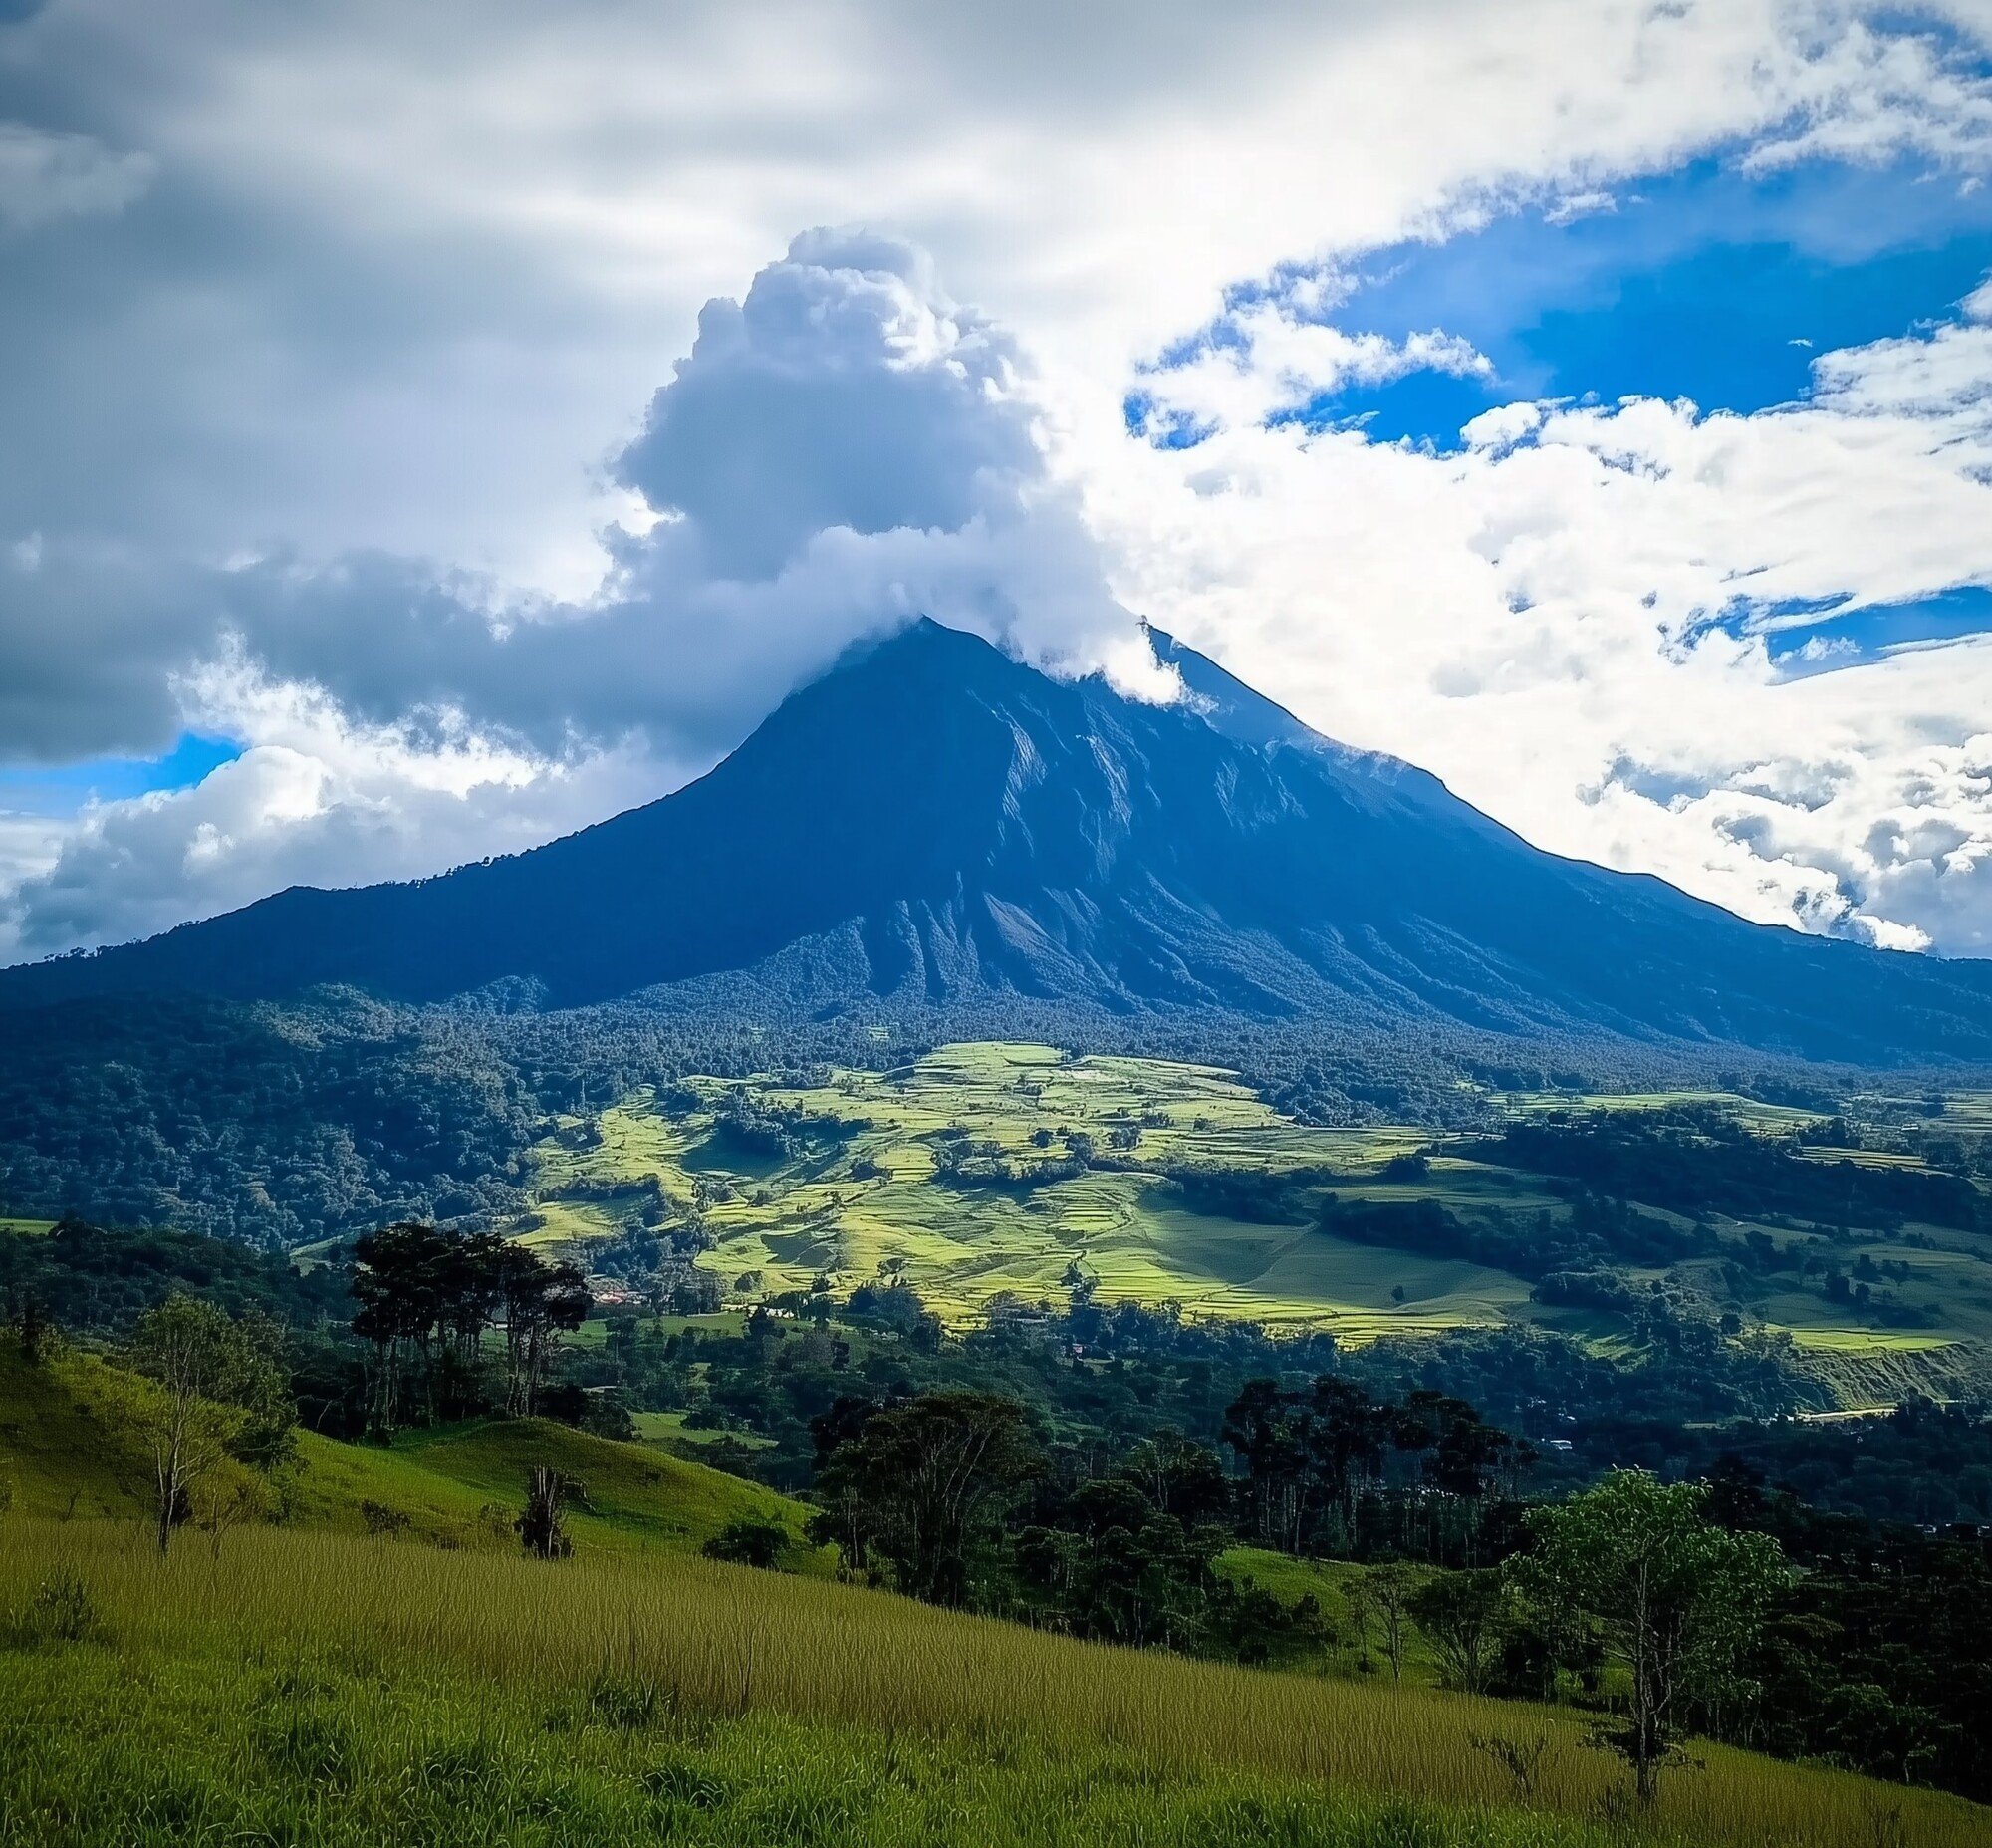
point(336, 1690)
point(984, 1173)
point(1682, 1602)
point(1552, 1406)
point(217, 1391)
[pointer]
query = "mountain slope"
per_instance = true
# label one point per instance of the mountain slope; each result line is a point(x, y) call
point(935, 819)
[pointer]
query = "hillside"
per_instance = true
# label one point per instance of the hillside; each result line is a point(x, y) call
point(334, 1691)
point(936, 822)
point(65, 1451)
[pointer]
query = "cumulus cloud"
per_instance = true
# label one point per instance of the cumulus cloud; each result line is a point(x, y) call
point(45, 177)
point(314, 799)
point(1275, 357)
point(844, 451)
point(1579, 638)
point(844, 392)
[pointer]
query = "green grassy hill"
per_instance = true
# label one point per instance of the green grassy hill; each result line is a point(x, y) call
point(370, 1660)
point(65, 1452)
point(321, 1688)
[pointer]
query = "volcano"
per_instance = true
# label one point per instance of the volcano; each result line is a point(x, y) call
point(934, 820)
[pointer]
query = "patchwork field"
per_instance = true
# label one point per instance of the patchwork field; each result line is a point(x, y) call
point(870, 1185)
point(999, 1169)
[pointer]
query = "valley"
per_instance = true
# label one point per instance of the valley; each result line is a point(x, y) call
point(1001, 1174)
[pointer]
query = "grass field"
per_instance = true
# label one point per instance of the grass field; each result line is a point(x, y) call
point(316, 1689)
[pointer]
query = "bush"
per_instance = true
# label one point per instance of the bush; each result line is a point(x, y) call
point(61, 1610)
point(750, 1542)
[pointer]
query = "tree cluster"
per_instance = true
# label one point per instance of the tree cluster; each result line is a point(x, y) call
point(427, 1299)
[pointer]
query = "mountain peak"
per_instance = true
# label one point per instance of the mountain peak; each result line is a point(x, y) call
point(935, 819)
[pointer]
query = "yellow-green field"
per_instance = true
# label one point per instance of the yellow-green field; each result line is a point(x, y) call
point(962, 1240)
point(1765, 1119)
point(954, 1171)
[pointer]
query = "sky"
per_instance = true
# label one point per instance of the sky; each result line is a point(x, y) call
point(430, 429)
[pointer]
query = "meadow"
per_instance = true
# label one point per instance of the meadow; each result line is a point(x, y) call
point(321, 1689)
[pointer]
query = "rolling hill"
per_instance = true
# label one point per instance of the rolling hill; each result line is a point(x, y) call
point(936, 821)
point(67, 1449)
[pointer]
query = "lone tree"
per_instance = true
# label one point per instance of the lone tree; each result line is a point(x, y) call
point(1464, 1618)
point(1680, 1601)
point(220, 1394)
point(542, 1525)
point(1390, 1588)
point(918, 1486)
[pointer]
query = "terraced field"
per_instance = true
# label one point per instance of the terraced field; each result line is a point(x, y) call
point(959, 1172)
point(872, 1186)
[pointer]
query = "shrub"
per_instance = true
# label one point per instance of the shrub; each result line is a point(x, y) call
point(60, 1610)
point(750, 1542)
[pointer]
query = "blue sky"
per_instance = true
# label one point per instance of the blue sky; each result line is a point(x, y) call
point(1708, 283)
point(1697, 284)
point(55, 790)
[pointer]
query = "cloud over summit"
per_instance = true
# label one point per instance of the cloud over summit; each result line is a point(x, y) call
point(844, 451)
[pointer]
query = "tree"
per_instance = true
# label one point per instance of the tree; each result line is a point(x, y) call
point(222, 1394)
point(1462, 1615)
point(1680, 1600)
point(539, 1300)
point(398, 1283)
point(919, 1484)
point(425, 1299)
point(542, 1525)
point(750, 1540)
point(1390, 1588)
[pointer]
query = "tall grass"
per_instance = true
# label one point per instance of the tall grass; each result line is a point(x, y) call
point(694, 1638)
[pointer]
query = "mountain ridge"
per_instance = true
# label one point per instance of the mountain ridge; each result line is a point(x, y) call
point(936, 819)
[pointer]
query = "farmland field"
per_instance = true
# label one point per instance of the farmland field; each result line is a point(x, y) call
point(866, 1191)
point(1006, 1170)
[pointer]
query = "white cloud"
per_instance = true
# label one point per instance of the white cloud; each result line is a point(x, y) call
point(312, 800)
point(45, 177)
point(1272, 361)
point(844, 451)
point(1575, 206)
point(1568, 619)
point(457, 243)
